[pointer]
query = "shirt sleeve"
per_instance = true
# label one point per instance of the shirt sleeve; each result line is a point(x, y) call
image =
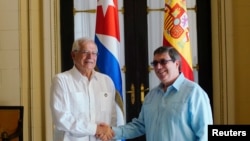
point(62, 114)
point(201, 113)
point(133, 129)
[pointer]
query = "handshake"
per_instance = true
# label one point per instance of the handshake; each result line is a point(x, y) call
point(104, 132)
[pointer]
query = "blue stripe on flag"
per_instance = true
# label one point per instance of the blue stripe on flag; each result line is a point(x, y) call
point(108, 64)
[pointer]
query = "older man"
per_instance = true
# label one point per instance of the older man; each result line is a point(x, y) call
point(82, 98)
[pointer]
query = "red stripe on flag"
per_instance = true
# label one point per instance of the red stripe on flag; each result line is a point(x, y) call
point(109, 21)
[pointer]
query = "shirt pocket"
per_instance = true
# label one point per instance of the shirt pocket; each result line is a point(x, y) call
point(79, 103)
point(106, 101)
point(174, 109)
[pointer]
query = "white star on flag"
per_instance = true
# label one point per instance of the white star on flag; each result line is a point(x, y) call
point(105, 4)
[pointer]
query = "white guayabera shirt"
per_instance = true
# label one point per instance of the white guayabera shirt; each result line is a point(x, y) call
point(78, 105)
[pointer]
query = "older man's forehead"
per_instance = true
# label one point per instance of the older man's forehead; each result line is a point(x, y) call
point(88, 44)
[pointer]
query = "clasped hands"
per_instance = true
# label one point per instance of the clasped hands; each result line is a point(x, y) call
point(104, 132)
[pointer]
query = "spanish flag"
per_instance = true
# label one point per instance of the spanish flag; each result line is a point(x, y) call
point(176, 33)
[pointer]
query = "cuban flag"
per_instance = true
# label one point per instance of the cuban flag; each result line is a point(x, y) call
point(107, 38)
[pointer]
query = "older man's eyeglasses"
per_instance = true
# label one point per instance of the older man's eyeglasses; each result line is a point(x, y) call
point(162, 62)
point(84, 52)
